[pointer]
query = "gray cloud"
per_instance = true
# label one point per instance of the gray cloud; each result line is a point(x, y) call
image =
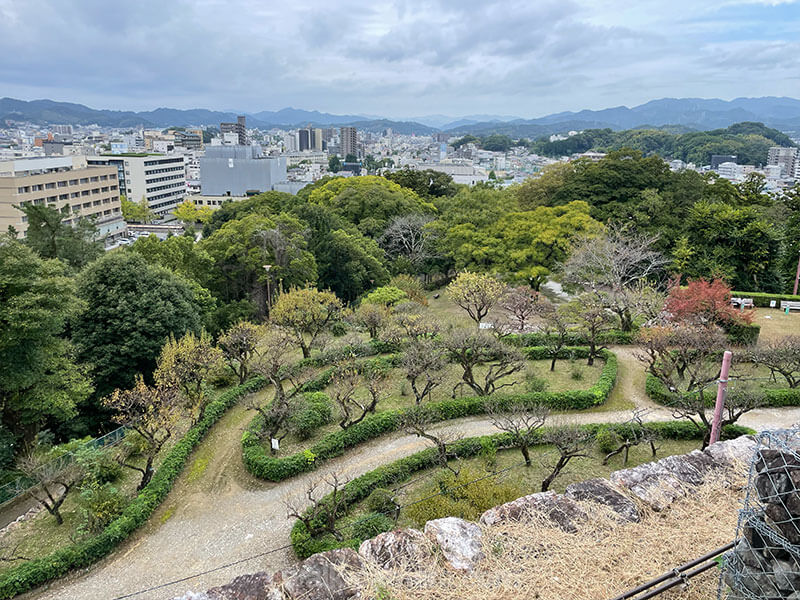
point(402, 58)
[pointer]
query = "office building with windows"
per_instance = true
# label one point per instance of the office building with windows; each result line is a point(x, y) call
point(66, 183)
point(158, 178)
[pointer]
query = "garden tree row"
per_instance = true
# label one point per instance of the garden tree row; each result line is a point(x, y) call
point(588, 314)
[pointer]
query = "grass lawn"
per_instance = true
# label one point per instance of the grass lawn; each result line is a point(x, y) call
point(775, 324)
point(513, 483)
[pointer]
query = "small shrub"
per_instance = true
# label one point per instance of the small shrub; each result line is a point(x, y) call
point(576, 373)
point(386, 295)
point(404, 389)
point(100, 504)
point(98, 465)
point(314, 411)
point(489, 452)
point(438, 507)
point(607, 440)
point(535, 384)
point(382, 501)
point(371, 525)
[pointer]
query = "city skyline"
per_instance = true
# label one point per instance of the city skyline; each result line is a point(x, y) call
point(399, 61)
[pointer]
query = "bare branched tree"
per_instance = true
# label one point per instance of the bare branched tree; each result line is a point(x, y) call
point(288, 381)
point(407, 236)
point(151, 411)
point(569, 441)
point(520, 421)
point(471, 348)
point(686, 359)
point(555, 330)
point(424, 362)
point(520, 303)
point(414, 323)
point(53, 479)
point(613, 264)
point(349, 377)
point(319, 515)
point(781, 357)
point(239, 346)
point(633, 433)
point(418, 422)
point(592, 317)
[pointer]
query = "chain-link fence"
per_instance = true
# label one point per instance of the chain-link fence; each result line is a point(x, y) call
point(765, 563)
point(16, 487)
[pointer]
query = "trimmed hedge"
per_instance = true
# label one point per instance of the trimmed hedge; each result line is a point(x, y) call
point(33, 573)
point(400, 470)
point(260, 464)
point(613, 336)
point(743, 334)
point(658, 392)
point(762, 299)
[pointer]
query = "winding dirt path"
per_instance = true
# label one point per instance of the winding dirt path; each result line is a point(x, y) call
point(217, 513)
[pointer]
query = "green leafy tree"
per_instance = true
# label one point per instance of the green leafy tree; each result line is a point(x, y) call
point(39, 379)
point(350, 264)
point(475, 293)
point(426, 183)
point(369, 202)
point(241, 247)
point(137, 212)
point(306, 313)
point(186, 363)
point(735, 244)
point(130, 309)
point(187, 212)
point(179, 253)
point(334, 164)
point(50, 237)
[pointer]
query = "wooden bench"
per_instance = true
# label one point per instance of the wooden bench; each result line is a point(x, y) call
point(743, 302)
point(790, 305)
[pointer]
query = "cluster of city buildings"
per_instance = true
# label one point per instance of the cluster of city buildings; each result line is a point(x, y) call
point(86, 171)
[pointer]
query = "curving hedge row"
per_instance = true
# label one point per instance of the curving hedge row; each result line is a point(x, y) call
point(400, 470)
point(658, 392)
point(258, 461)
point(33, 573)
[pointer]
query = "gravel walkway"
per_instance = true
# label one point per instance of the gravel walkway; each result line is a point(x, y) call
point(218, 514)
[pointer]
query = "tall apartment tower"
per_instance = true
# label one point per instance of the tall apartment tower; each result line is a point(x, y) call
point(304, 139)
point(316, 140)
point(785, 158)
point(239, 128)
point(349, 143)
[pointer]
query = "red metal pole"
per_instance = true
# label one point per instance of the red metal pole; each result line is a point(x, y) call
point(797, 276)
point(722, 388)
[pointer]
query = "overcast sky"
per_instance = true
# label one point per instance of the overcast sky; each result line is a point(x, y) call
point(398, 59)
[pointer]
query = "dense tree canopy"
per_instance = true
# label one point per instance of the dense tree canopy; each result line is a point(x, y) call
point(749, 142)
point(368, 202)
point(39, 380)
point(130, 309)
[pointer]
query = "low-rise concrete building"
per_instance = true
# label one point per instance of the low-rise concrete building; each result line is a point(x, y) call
point(66, 183)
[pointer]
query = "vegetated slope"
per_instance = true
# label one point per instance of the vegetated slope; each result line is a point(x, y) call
point(748, 141)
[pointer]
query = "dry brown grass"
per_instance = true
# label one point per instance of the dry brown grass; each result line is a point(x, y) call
point(604, 559)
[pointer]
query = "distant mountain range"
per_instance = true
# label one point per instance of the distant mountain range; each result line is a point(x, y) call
point(681, 113)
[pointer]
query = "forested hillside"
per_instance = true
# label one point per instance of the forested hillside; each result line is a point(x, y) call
point(748, 141)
